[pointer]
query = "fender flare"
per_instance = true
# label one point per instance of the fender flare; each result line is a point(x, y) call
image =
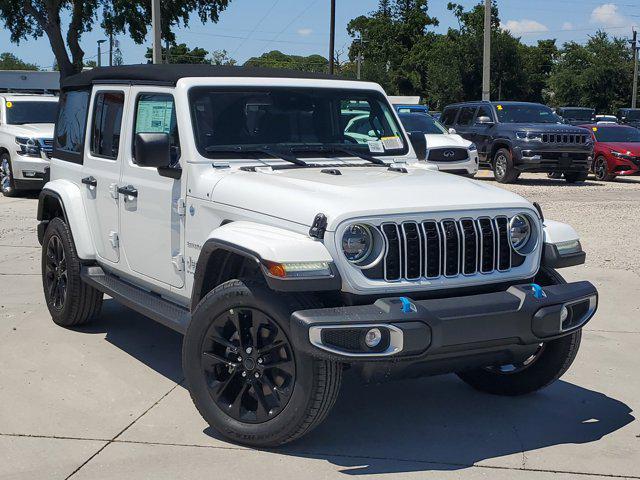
point(556, 234)
point(68, 196)
point(260, 244)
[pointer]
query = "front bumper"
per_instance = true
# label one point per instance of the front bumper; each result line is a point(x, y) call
point(489, 328)
point(546, 159)
point(31, 169)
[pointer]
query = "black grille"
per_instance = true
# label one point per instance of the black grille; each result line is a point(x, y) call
point(570, 138)
point(46, 145)
point(448, 154)
point(448, 247)
point(343, 338)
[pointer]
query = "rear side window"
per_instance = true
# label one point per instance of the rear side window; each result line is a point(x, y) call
point(156, 113)
point(70, 126)
point(466, 116)
point(106, 125)
point(449, 116)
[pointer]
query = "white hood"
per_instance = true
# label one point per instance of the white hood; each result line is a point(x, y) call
point(298, 194)
point(435, 140)
point(33, 130)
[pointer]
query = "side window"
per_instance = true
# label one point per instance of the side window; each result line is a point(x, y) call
point(466, 116)
point(156, 113)
point(449, 116)
point(107, 121)
point(484, 111)
point(70, 126)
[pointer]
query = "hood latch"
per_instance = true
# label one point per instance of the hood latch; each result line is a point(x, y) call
point(319, 226)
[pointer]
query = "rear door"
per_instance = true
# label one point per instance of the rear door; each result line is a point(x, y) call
point(152, 222)
point(101, 172)
point(481, 134)
point(464, 123)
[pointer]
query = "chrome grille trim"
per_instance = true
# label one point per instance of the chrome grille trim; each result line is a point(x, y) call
point(407, 249)
point(387, 251)
point(499, 242)
point(427, 241)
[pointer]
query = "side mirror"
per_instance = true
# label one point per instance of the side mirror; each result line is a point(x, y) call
point(152, 150)
point(484, 120)
point(419, 144)
point(452, 131)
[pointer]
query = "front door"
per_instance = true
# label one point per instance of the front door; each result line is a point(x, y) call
point(151, 222)
point(102, 161)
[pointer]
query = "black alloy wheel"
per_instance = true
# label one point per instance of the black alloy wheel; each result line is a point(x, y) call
point(56, 279)
point(248, 364)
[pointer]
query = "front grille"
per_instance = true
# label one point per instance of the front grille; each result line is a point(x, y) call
point(449, 248)
point(46, 145)
point(567, 138)
point(447, 154)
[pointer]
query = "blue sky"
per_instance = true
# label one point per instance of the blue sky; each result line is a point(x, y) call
point(251, 27)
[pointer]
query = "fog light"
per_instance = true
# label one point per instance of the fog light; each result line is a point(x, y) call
point(564, 314)
point(373, 337)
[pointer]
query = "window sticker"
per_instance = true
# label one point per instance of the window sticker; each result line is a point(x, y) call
point(595, 129)
point(375, 146)
point(9, 104)
point(154, 116)
point(499, 107)
point(392, 143)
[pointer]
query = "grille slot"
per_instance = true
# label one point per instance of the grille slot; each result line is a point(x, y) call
point(449, 248)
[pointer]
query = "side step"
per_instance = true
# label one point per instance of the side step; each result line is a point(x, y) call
point(144, 302)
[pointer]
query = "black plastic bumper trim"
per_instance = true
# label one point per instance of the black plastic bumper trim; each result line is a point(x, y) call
point(552, 258)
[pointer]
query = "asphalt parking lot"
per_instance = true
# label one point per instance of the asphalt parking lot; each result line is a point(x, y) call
point(107, 401)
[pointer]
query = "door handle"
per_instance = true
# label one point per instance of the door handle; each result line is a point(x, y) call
point(129, 191)
point(90, 181)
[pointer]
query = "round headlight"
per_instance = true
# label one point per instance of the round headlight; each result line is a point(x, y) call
point(519, 231)
point(357, 242)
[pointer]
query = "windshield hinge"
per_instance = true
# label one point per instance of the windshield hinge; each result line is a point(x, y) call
point(114, 239)
point(319, 226)
point(181, 207)
point(178, 262)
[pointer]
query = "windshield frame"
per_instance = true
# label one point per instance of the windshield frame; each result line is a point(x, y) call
point(557, 119)
point(239, 156)
point(16, 103)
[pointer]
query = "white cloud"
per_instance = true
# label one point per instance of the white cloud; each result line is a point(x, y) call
point(567, 26)
point(520, 27)
point(607, 15)
point(305, 32)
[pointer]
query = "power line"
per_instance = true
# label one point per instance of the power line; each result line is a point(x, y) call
point(291, 22)
point(256, 27)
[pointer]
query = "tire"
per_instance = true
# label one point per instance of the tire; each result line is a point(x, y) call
point(555, 175)
point(575, 177)
point(7, 182)
point(503, 169)
point(286, 404)
point(601, 170)
point(70, 301)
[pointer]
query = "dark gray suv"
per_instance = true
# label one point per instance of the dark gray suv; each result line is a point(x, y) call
point(516, 137)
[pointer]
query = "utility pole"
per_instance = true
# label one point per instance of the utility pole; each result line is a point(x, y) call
point(486, 57)
point(100, 42)
point(359, 60)
point(157, 35)
point(332, 36)
point(111, 49)
point(634, 49)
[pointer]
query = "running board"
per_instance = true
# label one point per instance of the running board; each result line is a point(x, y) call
point(144, 302)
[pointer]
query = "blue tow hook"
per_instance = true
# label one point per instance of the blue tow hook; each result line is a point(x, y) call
point(407, 305)
point(537, 290)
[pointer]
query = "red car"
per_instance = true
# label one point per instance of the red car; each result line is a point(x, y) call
point(616, 150)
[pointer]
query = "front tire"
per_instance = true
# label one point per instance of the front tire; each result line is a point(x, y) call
point(70, 301)
point(575, 177)
point(555, 175)
point(503, 169)
point(243, 375)
point(601, 170)
point(7, 182)
point(545, 366)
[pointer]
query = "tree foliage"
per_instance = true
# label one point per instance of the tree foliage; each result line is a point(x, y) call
point(181, 53)
point(277, 59)
point(8, 61)
point(34, 18)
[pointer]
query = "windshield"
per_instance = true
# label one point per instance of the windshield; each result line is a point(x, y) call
point(616, 134)
point(577, 114)
point(633, 115)
point(19, 113)
point(285, 119)
point(526, 113)
point(416, 122)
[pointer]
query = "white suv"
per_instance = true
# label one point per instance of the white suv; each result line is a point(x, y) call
point(26, 138)
point(230, 205)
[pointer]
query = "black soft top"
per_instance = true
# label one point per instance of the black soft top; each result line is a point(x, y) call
point(148, 74)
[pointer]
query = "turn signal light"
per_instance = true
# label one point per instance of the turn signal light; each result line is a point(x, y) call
point(298, 269)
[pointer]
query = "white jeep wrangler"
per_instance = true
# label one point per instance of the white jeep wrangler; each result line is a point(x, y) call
point(26, 138)
point(230, 205)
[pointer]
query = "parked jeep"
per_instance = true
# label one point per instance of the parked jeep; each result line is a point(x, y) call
point(26, 137)
point(230, 205)
point(576, 115)
point(517, 137)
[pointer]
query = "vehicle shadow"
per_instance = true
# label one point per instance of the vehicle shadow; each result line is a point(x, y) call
point(539, 182)
point(428, 424)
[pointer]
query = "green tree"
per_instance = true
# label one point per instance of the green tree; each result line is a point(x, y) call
point(34, 18)
point(598, 74)
point(8, 61)
point(221, 57)
point(180, 53)
point(277, 59)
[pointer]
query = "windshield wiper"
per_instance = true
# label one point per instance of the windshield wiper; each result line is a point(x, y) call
point(264, 150)
point(338, 149)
